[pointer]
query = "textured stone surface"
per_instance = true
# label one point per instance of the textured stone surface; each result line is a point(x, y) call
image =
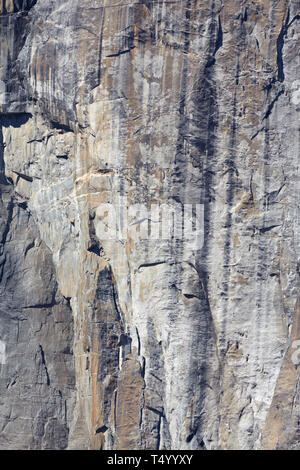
point(149, 344)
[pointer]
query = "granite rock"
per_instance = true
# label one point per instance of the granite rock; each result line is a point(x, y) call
point(136, 342)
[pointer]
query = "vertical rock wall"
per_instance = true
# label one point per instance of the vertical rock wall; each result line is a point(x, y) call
point(144, 343)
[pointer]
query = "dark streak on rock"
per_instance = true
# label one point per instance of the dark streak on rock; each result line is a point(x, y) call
point(102, 429)
point(219, 40)
point(267, 229)
point(270, 107)
point(44, 364)
point(121, 52)
point(149, 265)
point(280, 44)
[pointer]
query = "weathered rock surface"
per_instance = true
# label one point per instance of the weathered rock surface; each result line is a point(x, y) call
point(146, 343)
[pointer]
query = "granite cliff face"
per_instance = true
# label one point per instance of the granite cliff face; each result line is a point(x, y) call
point(149, 343)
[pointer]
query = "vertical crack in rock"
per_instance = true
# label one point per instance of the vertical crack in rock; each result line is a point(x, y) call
point(219, 40)
point(280, 44)
point(44, 364)
point(106, 331)
point(231, 171)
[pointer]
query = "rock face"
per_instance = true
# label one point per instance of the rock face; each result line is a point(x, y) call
point(158, 342)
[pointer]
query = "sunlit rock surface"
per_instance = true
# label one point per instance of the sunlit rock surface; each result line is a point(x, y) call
point(149, 343)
